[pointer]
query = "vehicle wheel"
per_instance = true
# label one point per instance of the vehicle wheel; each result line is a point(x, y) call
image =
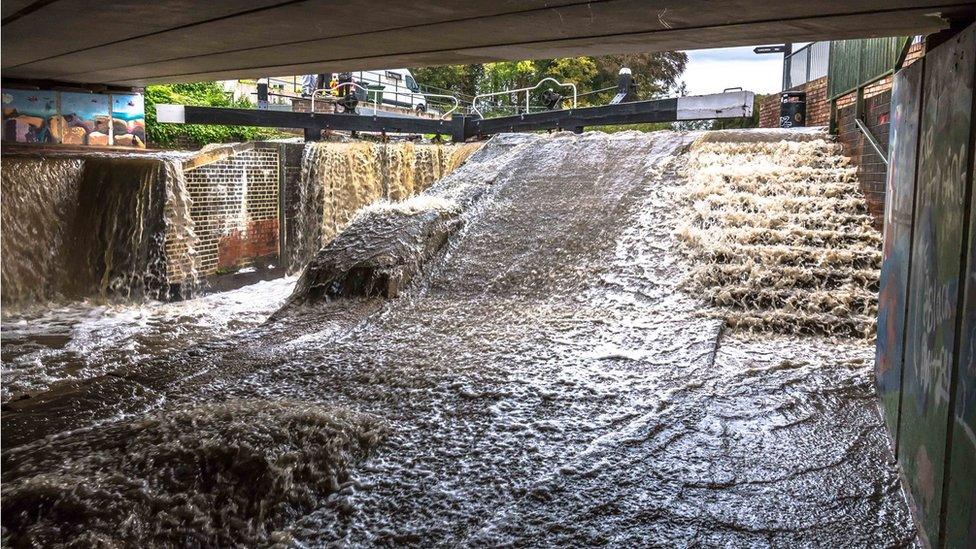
point(421, 109)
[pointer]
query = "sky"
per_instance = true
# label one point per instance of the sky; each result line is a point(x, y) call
point(711, 71)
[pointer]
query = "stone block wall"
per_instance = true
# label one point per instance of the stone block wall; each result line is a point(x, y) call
point(235, 210)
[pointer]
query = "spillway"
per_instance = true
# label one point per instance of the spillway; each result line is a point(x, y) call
point(522, 354)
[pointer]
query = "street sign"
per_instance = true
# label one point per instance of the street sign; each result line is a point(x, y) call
point(771, 49)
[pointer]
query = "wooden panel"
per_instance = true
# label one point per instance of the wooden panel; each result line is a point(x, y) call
point(960, 523)
point(899, 207)
point(935, 274)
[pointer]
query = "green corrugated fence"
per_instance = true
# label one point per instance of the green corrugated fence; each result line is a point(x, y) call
point(854, 63)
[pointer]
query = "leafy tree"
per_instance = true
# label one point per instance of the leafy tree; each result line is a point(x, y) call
point(656, 74)
point(204, 94)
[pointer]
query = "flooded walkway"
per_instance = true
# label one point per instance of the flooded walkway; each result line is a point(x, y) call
point(543, 380)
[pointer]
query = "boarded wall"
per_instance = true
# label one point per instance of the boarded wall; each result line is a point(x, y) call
point(927, 379)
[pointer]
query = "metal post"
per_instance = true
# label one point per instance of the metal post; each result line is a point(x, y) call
point(263, 95)
point(809, 56)
point(787, 64)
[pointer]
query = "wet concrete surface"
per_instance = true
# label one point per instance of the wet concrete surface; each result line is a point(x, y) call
point(542, 381)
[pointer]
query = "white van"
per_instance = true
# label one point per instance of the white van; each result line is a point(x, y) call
point(399, 88)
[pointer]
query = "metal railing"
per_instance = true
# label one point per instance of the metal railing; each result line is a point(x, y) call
point(871, 140)
point(528, 94)
point(375, 101)
point(805, 64)
point(397, 91)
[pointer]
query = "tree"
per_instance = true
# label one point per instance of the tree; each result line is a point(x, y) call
point(205, 94)
point(656, 74)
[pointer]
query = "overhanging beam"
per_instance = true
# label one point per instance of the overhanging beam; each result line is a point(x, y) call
point(701, 107)
point(179, 114)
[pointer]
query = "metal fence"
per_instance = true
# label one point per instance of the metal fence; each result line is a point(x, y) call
point(805, 64)
point(854, 63)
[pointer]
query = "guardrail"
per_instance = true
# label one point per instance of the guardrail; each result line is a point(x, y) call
point(805, 64)
point(528, 94)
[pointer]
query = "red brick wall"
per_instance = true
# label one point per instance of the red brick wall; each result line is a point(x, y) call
point(818, 108)
point(235, 209)
point(871, 169)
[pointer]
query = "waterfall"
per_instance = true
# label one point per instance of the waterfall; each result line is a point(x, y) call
point(38, 195)
point(95, 226)
point(337, 179)
point(117, 237)
point(781, 236)
point(183, 264)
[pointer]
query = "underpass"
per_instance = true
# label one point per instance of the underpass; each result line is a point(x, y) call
point(597, 339)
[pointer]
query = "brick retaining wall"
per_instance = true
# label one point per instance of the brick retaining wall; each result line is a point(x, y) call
point(818, 108)
point(235, 210)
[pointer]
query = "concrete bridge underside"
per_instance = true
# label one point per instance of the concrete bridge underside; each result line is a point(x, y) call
point(132, 42)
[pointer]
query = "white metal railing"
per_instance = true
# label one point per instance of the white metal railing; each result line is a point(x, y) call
point(457, 102)
point(375, 102)
point(805, 64)
point(528, 93)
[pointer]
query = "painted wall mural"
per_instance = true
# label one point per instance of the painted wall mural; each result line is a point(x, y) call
point(27, 115)
point(74, 118)
point(128, 120)
point(928, 387)
point(85, 117)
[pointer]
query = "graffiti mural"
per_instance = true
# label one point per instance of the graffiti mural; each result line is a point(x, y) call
point(73, 118)
point(28, 116)
point(128, 120)
point(933, 320)
point(86, 119)
point(899, 209)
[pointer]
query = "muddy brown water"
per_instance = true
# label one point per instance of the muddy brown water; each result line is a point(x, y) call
point(542, 380)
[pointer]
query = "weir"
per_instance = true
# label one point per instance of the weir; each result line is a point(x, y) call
point(134, 227)
point(516, 348)
point(638, 339)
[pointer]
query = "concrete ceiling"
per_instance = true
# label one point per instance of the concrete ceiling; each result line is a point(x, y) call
point(134, 42)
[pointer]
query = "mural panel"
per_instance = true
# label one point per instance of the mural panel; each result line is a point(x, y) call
point(961, 499)
point(899, 208)
point(937, 245)
point(128, 120)
point(28, 116)
point(86, 119)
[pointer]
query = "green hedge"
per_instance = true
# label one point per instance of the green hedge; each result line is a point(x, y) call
point(202, 94)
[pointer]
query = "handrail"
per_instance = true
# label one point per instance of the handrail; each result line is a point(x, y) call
point(870, 137)
point(312, 109)
point(457, 102)
point(474, 102)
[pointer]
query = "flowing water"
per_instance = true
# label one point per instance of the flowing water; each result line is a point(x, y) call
point(92, 226)
point(541, 378)
point(781, 235)
point(338, 179)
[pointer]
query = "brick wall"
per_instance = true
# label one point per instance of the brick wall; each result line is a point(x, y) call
point(235, 210)
point(818, 108)
point(871, 169)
